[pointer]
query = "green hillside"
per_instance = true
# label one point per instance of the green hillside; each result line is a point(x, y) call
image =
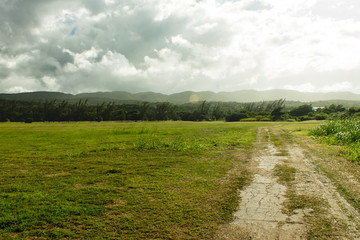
point(317, 99)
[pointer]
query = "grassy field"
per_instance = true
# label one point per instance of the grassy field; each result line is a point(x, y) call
point(88, 180)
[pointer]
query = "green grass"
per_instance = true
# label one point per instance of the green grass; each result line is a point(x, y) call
point(162, 180)
point(284, 173)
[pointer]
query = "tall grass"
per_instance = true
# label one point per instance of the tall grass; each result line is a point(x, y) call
point(342, 132)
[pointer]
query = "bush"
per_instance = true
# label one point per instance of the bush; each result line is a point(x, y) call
point(306, 118)
point(248, 120)
point(341, 131)
point(344, 132)
point(321, 117)
point(301, 110)
point(265, 119)
point(235, 117)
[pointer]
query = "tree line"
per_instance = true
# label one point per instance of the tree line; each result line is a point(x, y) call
point(54, 110)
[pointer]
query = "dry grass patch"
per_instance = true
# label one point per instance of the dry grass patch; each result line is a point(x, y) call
point(58, 174)
point(233, 232)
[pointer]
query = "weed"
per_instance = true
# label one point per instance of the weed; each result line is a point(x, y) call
point(285, 174)
point(282, 153)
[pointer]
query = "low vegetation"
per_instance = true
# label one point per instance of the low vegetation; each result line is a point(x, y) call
point(89, 180)
point(53, 110)
point(342, 132)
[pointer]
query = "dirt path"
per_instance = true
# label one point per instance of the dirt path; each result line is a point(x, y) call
point(288, 198)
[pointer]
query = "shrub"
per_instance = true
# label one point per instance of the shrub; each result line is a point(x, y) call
point(306, 118)
point(301, 110)
point(321, 117)
point(235, 117)
point(248, 120)
point(342, 131)
point(265, 119)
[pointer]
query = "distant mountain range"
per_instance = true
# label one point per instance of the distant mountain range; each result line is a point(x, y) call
point(186, 97)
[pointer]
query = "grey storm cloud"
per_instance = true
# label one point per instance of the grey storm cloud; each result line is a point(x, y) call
point(169, 46)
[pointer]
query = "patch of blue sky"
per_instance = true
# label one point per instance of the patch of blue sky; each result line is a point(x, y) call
point(73, 31)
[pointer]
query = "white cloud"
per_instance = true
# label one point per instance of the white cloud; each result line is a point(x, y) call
point(15, 83)
point(305, 87)
point(83, 60)
point(12, 62)
point(17, 89)
point(180, 41)
point(167, 61)
point(50, 83)
point(344, 86)
point(117, 64)
point(338, 87)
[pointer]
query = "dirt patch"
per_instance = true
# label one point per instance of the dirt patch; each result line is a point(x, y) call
point(260, 214)
point(289, 198)
point(117, 203)
point(335, 215)
point(58, 174)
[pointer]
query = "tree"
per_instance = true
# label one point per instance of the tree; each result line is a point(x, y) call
point(217, 112)
point(302, 110)
point(143, 111)
point(277, 113)
point(235, 117)
point(165, 111)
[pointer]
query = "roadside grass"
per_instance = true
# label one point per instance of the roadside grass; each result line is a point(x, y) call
point(86, 180)
point(299, 128)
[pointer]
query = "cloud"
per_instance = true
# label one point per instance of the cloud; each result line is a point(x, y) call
point(344, 86)
point(171, 46)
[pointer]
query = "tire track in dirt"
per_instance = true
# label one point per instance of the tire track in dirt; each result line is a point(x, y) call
point(261, 212)
point(311, 182)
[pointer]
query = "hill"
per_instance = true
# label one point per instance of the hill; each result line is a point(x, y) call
point(321, 99)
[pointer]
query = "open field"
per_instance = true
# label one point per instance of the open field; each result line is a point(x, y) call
point(120, 180)
point(173, 180)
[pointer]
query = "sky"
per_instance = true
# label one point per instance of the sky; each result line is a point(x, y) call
point(171, 46)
